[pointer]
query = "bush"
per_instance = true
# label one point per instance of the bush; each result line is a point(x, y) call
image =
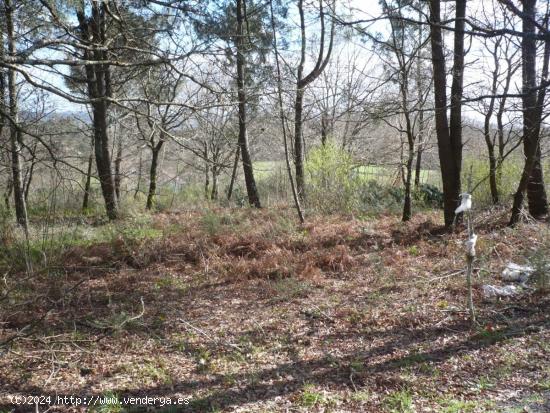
point(429, 195)
point(331, 185)
point(510, 173)
point(375, 198)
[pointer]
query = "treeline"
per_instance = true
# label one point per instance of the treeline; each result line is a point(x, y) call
point(199, 75)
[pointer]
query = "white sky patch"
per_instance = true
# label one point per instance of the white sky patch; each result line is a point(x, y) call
point(478, 63)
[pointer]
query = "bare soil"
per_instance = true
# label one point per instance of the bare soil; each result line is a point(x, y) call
point(252, 313)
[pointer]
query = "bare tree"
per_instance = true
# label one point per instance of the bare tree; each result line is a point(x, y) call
point(532, 179)
point(449, 133)
point(497, 140)
point(162, 116)
point(250, 181)
point(92, 31)
point(16, 136)
point(302, 82)
point(403, 50)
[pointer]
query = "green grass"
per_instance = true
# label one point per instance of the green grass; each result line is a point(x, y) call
point(309, 397)
point(361, 396)
point(381, 174)
point(399, 401)
point(544, 385)
point(457, 406)
point(48, 241)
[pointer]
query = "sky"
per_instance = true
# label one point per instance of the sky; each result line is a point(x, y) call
point(478, 62)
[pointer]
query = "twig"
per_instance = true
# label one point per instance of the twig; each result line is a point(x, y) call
point(133, 318)
point(209, 337)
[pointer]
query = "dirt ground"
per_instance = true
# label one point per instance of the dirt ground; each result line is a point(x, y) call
point(248, 312)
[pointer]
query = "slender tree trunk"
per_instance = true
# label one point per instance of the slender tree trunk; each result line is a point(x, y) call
point(151, 195)
point(3, 121)
point(7, 194)
point(3, 104)
point(251, 189)
point(88, 184)
point(282, 118)
point(324, 129)
point(420, 97)
point(214, 192)
point(98, 80)
point(301, 83)
point(4, 107)
point(418, 166)
point(493, 184)
point(500, 123)
point(407, 206)
point(118, 164)
point(206, 175)
point(487, 130)
point(298, 143)
point(30, 175)
point(140, 172)
point(449, 145)
point(16, 138)
point(233, 173)
point(532, 178)
point(501, 143)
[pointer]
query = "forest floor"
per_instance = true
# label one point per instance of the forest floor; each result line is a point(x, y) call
point(241, 310)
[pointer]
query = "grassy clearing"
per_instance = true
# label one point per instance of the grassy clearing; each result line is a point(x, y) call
point(243, 310)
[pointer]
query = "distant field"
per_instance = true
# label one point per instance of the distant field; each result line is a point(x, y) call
point(381, 174)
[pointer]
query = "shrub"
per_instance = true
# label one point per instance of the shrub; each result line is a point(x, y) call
point(375, 198)
point(510, 173)
point(429, 195)
point(541, 263)
point(331, 184)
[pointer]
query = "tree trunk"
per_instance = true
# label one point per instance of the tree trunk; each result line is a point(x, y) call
point(118, 164)
point(103, 159)
point(418, 166)
point(88, 184)
point(282, 119)
point(324, 129)
point(98, 81)
point(233, 173)
point(140, 172)
point(298, 143)
point(206, 175)
point(455, 122)
point(493, 184)
point(501, 143)
point(4, 107)
point(489, 141)
point(407, 205)
point(252, 191)
point(420, 97)
point(449, 145)
point(16, 138)
point(30, 175)
point(214, 193)
point(536, 191)
point(153, 175)
point(532, 178)
point(7, 194)
point(404, 87)
point(301, 83)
